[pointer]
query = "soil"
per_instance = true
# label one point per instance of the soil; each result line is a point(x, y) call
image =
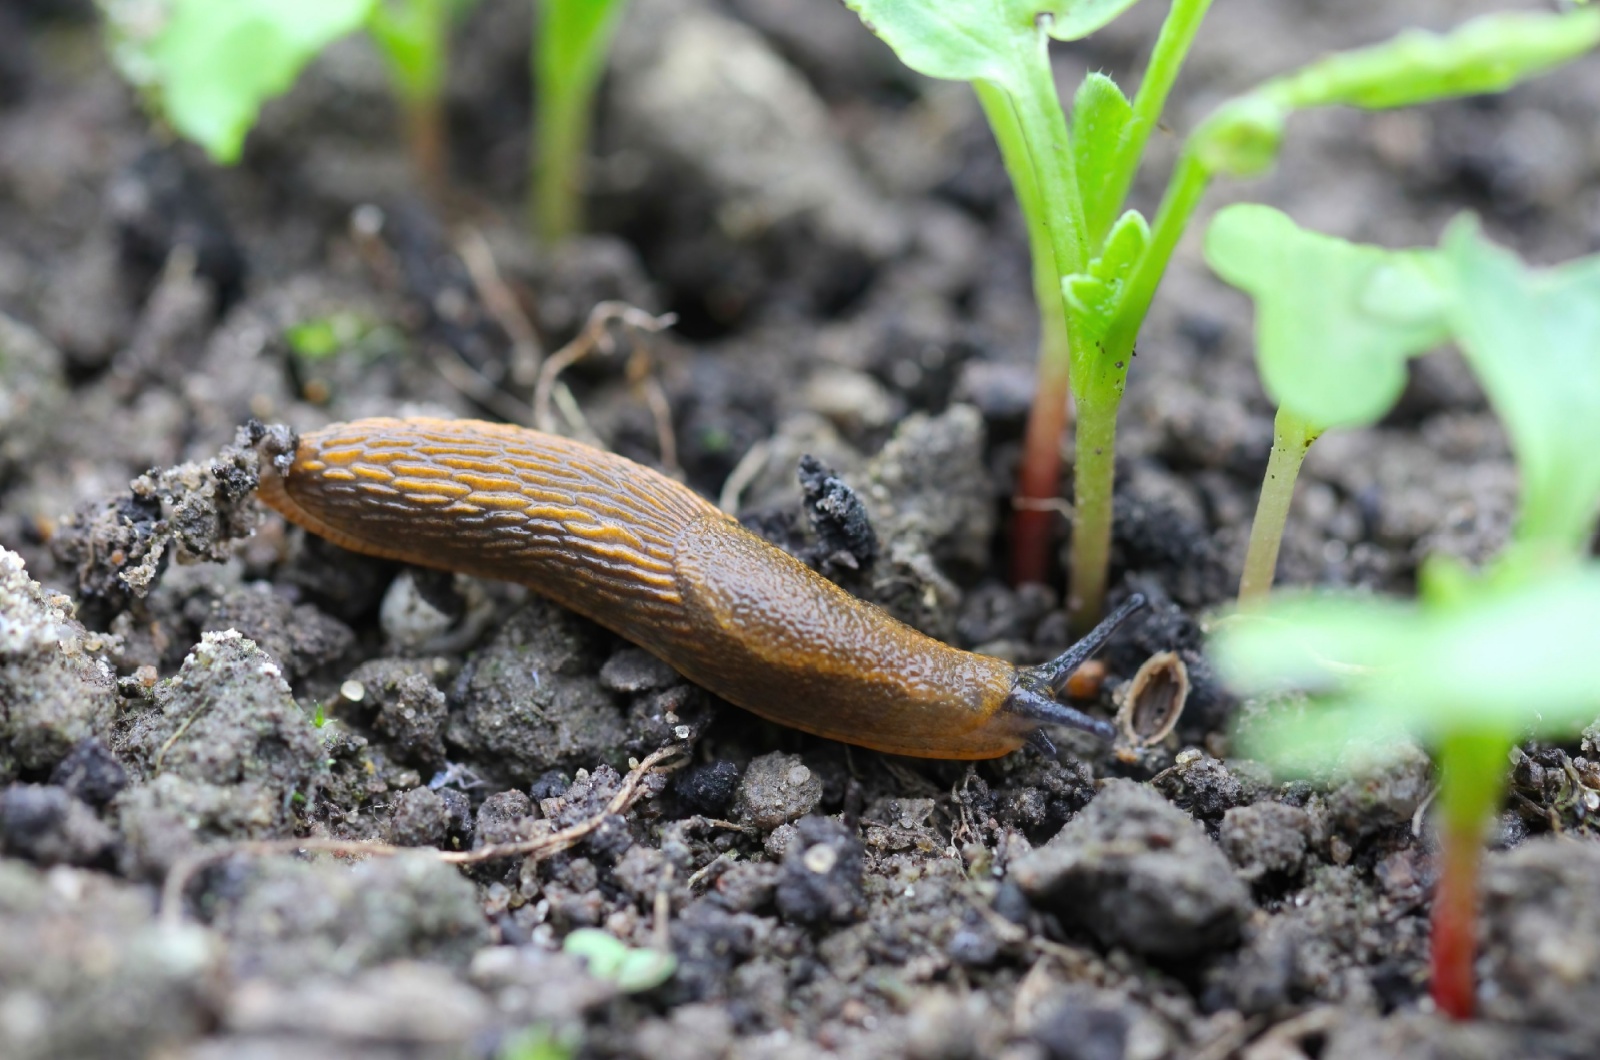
point(186, 683)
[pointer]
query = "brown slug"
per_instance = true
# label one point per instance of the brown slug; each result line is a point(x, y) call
point(651, 560)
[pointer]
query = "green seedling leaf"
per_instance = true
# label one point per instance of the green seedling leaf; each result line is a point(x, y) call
point(539, 1042)
point(1533, 338)
point(1488, 54)
point(632, 970)
point(1505, 659)
point(210, 65)
point(979, 40)
point(1101, 115)
point(1093, 297)
point(1335, 321)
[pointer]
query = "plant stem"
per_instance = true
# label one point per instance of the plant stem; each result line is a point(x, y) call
point(1291, 438)
point(1093, 478)
point(1186, 187)
point(1166, 61)
point(1472, 767)
point(1099, 376)
point(1039, 476)
point(428, 145)
point(1034, 139)
point(568, 58)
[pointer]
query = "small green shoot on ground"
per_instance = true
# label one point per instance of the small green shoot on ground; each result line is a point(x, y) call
point(414, 37)
point(1483, 659)
point(538, 1042)
point(1096, 264)
point(631, 970)
point(569, 56)
point(1335, 324)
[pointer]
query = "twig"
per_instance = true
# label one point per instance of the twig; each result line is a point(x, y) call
point(542, 847)
point(724, 858)
point(526, 349)
point(655, 396)
point(461, 374)
point(593, 336)
point(744, 472)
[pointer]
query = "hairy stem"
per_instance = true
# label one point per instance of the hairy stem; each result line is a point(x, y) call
point(1094, 475)
point(1291, 438)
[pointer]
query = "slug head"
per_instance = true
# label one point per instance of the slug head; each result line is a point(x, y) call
point(1033, 693)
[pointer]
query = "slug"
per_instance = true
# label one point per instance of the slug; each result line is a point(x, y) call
point(651, 560)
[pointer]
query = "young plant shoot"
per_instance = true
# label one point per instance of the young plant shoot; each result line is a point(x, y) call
point(1335, 323)
point(414, 38)
point(569, 56)
point(1482, 660)
point(1072, 182)
point(208, 67)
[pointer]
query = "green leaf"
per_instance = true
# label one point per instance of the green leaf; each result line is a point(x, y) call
point(1094, 296)
point(1533, 338)
point(210, 65)
point(632, 970)
point(1335, 321)
point(1101, 115)
point(1488, 54)
point(979, 40)
point(1504, 660)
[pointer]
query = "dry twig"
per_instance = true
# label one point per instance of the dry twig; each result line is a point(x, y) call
point(538, 848)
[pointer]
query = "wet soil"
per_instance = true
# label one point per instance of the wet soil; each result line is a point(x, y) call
point(188, 686)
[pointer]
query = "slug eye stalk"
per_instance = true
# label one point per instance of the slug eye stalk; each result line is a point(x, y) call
point(1033, 695)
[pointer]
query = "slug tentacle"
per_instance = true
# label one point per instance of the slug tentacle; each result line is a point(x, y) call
point(653, 561)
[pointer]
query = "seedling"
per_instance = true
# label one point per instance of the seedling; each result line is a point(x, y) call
point(1482, 659)
point(569, 56)
point(1335, 324)
point(539, 1042)
point(209, 67)
point(1097, 265)
point(632, 970)
point(413, 37)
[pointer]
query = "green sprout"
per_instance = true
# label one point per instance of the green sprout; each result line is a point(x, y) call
point(1482, 659)
point(319, 716)
point(569, 56)
point(208, 67)
point(414, 37)
point(1336, 322)
point(539, 1042)
point(1096, 264)
point(631, 970)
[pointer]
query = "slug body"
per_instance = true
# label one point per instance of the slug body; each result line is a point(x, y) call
point(651, 560)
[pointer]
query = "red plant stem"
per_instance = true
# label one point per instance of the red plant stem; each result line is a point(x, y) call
point(1455, 921)
point(1039, 477)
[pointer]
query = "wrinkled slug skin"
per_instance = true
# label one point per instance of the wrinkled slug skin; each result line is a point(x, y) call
point(651, 560)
